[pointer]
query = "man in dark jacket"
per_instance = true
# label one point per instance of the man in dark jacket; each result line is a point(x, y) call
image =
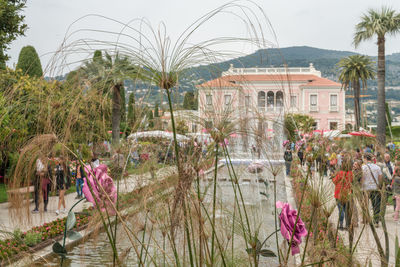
point(288, 160)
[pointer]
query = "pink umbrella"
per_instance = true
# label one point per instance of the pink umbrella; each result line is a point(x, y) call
point(362, 133)
point(234, 135)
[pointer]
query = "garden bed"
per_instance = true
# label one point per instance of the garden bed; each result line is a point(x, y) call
point(37, 238)
point(324, 244)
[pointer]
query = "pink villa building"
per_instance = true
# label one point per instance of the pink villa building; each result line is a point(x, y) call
point(269, 93)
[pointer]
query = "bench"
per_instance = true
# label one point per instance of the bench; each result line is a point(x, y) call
point(22, 190)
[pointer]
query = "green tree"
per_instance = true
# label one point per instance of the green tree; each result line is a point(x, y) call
point(109, 73)
point(181, 127)
point(297, 122)
point(354, 71)
point(156, 114)
point(189, 101)
point(29, 62)
point(11, 25)
point(131, 110)
point(378, 23)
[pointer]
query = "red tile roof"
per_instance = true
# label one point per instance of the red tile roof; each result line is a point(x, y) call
point(219, 82)
point(321, 82)
point(308, 80)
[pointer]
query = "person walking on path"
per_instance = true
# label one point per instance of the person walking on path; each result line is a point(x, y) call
point(61, 173)
point(356, 189)
point(288, 160)
point(396, 192)
point(332, 163)
point(41, 183)
point(300, 154)
point(387, 170)
point(95, 162)
point(80, 173)
point(371, 181)
point(343, 182)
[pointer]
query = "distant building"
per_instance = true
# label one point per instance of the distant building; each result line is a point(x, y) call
point(261, 96)
point(190, 117)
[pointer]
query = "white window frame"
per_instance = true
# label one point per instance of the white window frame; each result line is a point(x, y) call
point(230, 99)
point(313, 108)
point(334, 108)
point(316, 124)
point(329, 124)
point(295, 102)
point(207, 97)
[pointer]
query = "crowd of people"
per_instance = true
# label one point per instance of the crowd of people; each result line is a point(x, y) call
point(361, 177)
point(58, 174)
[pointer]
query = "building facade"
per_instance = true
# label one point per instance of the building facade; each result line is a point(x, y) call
point(261, 96)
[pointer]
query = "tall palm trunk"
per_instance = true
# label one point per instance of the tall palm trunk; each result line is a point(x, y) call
point(381, 123)
point(356, 88)
point(116, 112)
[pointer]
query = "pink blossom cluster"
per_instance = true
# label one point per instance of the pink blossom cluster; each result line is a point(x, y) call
point(99, 178)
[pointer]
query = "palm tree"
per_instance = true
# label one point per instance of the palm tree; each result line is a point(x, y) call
point(354, 71)
point(379, 23)
point(109, 73)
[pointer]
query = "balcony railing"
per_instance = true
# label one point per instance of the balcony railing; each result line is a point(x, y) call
point(334, 108)
point(314, 108)
point(279, 70)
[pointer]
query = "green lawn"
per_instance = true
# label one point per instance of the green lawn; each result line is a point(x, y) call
point(3, 193)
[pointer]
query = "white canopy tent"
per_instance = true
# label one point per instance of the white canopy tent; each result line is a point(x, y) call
point(158, 134)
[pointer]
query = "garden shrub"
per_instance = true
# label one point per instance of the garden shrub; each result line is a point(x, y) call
point(32, 238)
point(17, 234)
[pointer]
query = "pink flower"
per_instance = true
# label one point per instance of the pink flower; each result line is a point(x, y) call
point(255, 167)
point(100, 179)
point(288, 221)
point(285, 143)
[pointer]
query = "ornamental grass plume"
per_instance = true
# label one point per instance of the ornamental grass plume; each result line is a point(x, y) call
point(290, 229)
point(99, 179)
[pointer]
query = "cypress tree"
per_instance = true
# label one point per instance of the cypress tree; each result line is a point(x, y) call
point(123, 104)
point(29, 62)
point(156, 114)
point(131, 110)
point(188, 101)
point(150, 119)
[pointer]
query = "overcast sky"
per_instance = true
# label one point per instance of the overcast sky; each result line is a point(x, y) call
point(319, 23)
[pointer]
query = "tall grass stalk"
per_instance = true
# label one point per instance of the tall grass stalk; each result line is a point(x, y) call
point(298, 213)
point(308, 237)
point(276, 221)
point(214, 202)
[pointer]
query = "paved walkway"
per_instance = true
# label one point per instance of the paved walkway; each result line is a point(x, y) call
point(366, 249)
point(30, 220)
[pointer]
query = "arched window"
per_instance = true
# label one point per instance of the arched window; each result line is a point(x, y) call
point(279, 99)
point(270, 100)
point(261, 99)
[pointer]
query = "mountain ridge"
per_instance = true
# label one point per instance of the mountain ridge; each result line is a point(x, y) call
point(324, 60)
